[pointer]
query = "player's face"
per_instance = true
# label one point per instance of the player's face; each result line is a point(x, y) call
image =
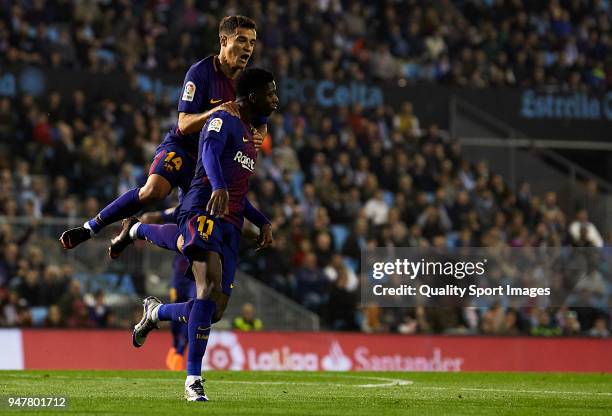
point(238, 47)
point(266, 100)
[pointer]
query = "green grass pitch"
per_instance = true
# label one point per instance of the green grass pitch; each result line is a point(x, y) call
point(292, 393)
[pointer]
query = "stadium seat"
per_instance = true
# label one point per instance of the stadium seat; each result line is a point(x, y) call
point(388, 197)
point(39, 314)
point(297, 183)
point(351, 263)
point(340, 233)
point(451, 239)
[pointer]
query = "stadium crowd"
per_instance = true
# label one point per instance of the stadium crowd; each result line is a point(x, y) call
point(561, 43)
point(332, 182)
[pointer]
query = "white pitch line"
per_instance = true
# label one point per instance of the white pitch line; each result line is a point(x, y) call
point(389, 382)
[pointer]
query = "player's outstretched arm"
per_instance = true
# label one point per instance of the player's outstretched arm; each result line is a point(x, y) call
point(193, 123)
point(259, 219)
point(213, 143)
point(265, 237)
point(191, 119)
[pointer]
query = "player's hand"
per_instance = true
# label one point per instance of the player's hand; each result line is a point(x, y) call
point(257, 139)
point(265, 237)
point(230, 107)
point(218, 205)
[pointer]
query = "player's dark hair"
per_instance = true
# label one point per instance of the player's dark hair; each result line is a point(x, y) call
point(251, 80)
point(229, 24)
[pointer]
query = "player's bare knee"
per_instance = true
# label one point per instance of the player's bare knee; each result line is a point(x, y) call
point(151, 193)
point(156, 189)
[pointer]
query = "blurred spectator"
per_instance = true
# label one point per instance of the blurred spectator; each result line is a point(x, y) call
point(570, 324)
point(336, 268)
point(406, 122)
point(29, 288)
point(72, 306)
point(99, 312)
point(54, 318)
point(52, 285)
point(495, 321)
point(544, 326)
point(583, 230)
point(599, 329)
point(311, 283)
point(592, 282)
point(357, 239)
point(23, 317)
point(511, 323)
point(376, 209)
point(414, 322)
point(247, 320)
point(341, 304)
point(372, 319)
point(8, 263)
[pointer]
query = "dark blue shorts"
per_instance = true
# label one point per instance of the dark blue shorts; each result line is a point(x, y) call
point(212, 234)
point(183, 289)
point(174, 164)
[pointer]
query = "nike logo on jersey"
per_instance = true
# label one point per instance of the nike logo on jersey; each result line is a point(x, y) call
point(213, 101)
point(245, 140)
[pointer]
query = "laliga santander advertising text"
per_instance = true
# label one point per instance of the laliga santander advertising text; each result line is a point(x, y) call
point(306, 351)
point(484, 276)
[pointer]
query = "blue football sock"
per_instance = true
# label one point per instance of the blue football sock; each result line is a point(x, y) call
point(163, 236)
point(198, 330)
point(175, 312)
point(125, 206)
point(179, 336)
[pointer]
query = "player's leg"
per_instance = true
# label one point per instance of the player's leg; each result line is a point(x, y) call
point(179, 312)
point(231, 245)
point(155, 310)
point(169, 169)
point(183, 290)
point(207, 269)
point(157, 187)
point(128, 204)
point(162, 235)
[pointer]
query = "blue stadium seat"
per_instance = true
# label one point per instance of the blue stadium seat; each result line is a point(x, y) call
point(351, 263)
point(39, 314)
point(297, 183)
point(137, 171)
point(340, 233)
point(388, 197)
point(108, 282)
point(451, 239)
point(127, 285)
